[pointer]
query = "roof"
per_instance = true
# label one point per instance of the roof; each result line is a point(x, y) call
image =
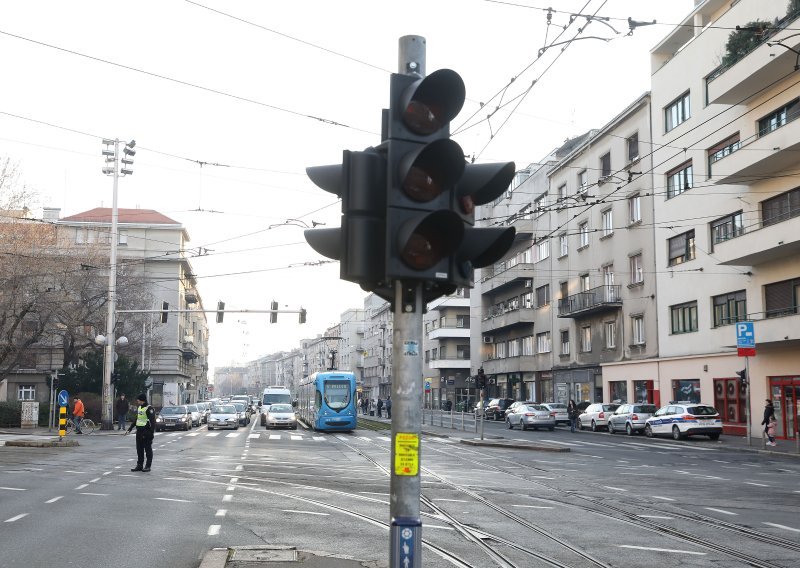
point(130, 216)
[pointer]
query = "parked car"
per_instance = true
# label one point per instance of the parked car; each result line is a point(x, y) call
point(244, 412)
point(496, 409)
point(197, 414)
point(531, 416)
point(205, 409)
point(281, 416)
point(245, 399)
point(684, 419)
point(596, 416)
point(630, 418)
point(223, 416)
point(558, 410)
point(511, 408)
point(174, 418)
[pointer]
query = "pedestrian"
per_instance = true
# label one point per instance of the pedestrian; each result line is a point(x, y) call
point(773, 424)
point(379, 407)
point(364, 405)
point(78, 412)
point(145, 431)
point(572, 413)
point(769, 414)
point(388, 406)
point(122, 408)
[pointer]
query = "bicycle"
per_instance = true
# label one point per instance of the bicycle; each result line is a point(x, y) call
point(87, 426)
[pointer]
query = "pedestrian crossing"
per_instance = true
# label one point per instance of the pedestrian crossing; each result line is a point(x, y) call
point(660, 445)
point(249, 436)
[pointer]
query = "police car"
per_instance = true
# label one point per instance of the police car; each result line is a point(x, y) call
point(681, 419)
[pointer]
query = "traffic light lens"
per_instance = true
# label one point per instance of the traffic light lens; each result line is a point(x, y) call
point(422, 119)
point(420, 185)
point(422, 250)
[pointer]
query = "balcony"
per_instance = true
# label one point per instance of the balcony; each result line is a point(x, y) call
point(520, 364)
point(778, 241)
point(455, 363)
point(524, 228)
point(762, 66)
point(446, 332)
point(596, 300)
point(501, 278)
point(512, 318)
point(767, 155)
point(448, 302)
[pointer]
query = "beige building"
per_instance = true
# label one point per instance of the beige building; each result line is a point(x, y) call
point(448, 380)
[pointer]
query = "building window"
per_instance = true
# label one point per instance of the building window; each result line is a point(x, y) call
point(681, 248)
point(677, 112)
point(782, 298)
point(619, 391)
point(633, 147)
point(543, 344)
point(527, 300)
point(611, 334)
point(724, 148)
point(637, 273)
point(26, 392)
point(462, 321)
point(564, 290)
point(565, 342)
point(122, 238)
point(583, 234)
point(584, 282)
point(583, 181)
point(500, 350)
point(686, 390)
point(607, 217)
point(605, 165)
point(679, 180)
point(637, 329)
point(684, 318)
point(542, 249)
point(462, 351)
point(527, 346)
point(781, 207)
point(563, 245)
point(730, 308)
point(540, 205)
point(726, 228)
point(634, 208)
point(586, 339)
point(542, 295)
point(730, 400)
point(779, 118)
point(562, 193)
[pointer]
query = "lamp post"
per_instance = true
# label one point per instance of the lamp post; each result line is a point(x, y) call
point(112, 168)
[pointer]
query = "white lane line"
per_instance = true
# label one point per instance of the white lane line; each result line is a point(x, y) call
point(54, 499)
point(661, 549)
point(230, 488)
point(723, 511)
point(306, 512)
point(274, 436)
point(654, 517)
point(756, 484)
point(18, 517)
point(213, 529)
point(784, 527)
point(71, 471)
point(437, 527)
point(613, 488)
point(452, 500)
point(227, 497)
point(107, 472)
point(79, 487)
point(233, 480)
point(194, 434)
point(168, 499)
point(97, 494)
point(232, 435)
point(662, 498)
point(221, 512)
point(374, 493)
point(13, 488)
point(239, 467)
point(95, 480)
point(257, 435)
point(296, 437)
point(212, 434)
point(531, 506)
point(318, 438)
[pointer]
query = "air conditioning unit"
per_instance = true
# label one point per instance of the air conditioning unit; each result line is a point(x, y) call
point(488, 339)
point(529, 283)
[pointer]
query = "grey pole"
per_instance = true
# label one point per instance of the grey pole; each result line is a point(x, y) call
point(411, 58)
point(108, 365)
point(747, 402)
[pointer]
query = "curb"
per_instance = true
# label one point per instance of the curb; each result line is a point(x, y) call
point(42, 443)
point(280, 557)
point(514, 445)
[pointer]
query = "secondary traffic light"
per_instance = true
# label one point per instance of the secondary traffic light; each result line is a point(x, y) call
point(742, 377)
point(164, 311)
point(273, 315)
point(302, 315)
point(220, 311)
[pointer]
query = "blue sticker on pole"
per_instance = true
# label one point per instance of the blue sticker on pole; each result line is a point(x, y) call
point(406, 542)
point(63, 398)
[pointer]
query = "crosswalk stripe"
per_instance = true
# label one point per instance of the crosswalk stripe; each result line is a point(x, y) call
point(194, 434)
point(232, 435)
point(212, 434)
point(256, 435)
point(294, 437)
point(318, 438)
point(274, 436)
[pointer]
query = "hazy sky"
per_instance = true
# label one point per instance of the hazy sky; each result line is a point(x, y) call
point(259, 90)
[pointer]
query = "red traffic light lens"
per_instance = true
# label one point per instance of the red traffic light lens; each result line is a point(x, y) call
point(431, 170)
point(424, 241)
point(422, 250)
point(422, 119)
point(422, 185)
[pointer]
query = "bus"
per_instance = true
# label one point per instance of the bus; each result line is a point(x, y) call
point(327, 401)
point(273, 395)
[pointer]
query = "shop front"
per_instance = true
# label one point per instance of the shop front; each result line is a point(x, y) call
point(582, 384)
point(785, 395)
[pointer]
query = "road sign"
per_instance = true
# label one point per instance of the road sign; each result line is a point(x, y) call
point(63, 398)
point(427, 385)
point(745, 339)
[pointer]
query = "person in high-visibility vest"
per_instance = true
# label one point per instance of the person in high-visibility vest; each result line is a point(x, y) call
point(145, 431)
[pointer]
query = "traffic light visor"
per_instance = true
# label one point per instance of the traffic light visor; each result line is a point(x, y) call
point(431, 103)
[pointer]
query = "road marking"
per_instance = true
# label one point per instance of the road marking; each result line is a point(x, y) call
point(213, 529)
point(777, 526)
point(233, 480)
point(531, 506)
point(97, 494)
point(13, 488)
point(756, 484)
point(256, 435)
point(221, 512)
point(318, 438)
point(306, 512)
point(168, 499)
point(54, 499)
point(296, 437)
point(613, 488)
point(654, 517)
point(661, 549)
point(107, 472)
point(95, 480)
point(723, 511)
point(452, 500)
point(227, 497)
point(662, 498)
point(274, 436)
point(230, 488)
point(374, 493)
point(720, 461)
point(437, 527)
point(232, 435)
point(79, 487)
point(18, 517)
point(239, 467)
point(212, 434)
point(194, 434)
point(70, 471)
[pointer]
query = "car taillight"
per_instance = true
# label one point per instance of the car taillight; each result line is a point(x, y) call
point(634, 417)
point(529, 414)
point(689, 417)
point(601, 415)
point(552, 414)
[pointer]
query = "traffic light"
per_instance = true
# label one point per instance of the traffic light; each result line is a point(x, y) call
point(358, 244)
point(164, 311)
point(302, 315)
point(273, 316)
point(114, 377)
point(742, 377)
point(481, 379)
point(220, 311)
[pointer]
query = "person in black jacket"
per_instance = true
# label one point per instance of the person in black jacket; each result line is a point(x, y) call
point(379, 406)
point(122, 407)
point(769, 413)
point(145, 431)
point(572, 413)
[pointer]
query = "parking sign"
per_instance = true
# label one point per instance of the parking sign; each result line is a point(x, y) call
point(745, 339)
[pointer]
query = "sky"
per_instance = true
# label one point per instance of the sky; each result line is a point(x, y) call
point(229, 102)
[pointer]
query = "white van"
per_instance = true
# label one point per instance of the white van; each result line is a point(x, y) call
point(273, 395)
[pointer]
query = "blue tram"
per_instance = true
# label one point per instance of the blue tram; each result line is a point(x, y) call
point(327, 401)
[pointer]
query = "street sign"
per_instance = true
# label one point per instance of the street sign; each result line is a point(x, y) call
point(427, 385)
point(745, 339)
point(63, 398)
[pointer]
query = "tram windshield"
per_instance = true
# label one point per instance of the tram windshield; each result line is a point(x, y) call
point(337, 394)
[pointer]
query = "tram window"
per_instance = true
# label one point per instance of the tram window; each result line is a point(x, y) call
point(318, 400)
point(337, 394)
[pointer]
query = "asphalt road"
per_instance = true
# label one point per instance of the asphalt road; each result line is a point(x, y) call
point(610, 501)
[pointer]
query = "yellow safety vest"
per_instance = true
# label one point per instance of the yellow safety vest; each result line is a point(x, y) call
point(141, 416)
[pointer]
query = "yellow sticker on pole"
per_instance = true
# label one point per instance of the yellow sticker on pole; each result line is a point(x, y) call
point(406, 453)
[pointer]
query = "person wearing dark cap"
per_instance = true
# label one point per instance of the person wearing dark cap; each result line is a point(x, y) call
point(145, 431)
point(769, 415)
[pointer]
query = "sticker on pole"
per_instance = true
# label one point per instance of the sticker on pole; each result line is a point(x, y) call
point(406, 453)
point(411, 348)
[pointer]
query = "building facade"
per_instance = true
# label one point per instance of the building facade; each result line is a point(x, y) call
point(448, 380)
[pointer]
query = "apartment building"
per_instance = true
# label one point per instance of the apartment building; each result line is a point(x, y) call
point(377, 345)
point(728, 211)
point(351, 344)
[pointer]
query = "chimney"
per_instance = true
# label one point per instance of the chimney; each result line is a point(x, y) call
point(51, 213)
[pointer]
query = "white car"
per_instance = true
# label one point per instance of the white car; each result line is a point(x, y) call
point(681, 419)
point(531, 416)
point(596, 416)
point(281, 416)
point(223, 416)
point(197, 414)
point(558, 410)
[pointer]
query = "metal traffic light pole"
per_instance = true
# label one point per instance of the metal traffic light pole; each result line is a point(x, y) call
point(405, 549)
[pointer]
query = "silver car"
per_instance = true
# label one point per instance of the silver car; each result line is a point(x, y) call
point(197, 414)
point(630, 418)
point(596, 416)
point(531, 416)
point(223, 416)
point(281, 416)
point(559, 411)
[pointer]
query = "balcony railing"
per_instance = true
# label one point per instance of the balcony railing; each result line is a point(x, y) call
point(595, 300)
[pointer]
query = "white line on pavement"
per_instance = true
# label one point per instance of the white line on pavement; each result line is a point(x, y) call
point(661, 549)
point(613, 488)
point(227, 497)
point(756, 484)
point(452, 500)
point(213, 529)
point(97, 494)
point(18, 517)
point(54, 499)
point(306, 512)
point(233, 480)
point(274, 436)
point(95, 480)
point(70, 471)
point(777, 526)
point(723, 511)
point(662, 498)
point(531, 506)
point(13, 488)
point(318, 438)
point(212, 434)
point(106, 472)
point(232, 434)
point(79, 487)
point(168, 499)
point(654, 517)
point(437, 527)
point(194, 434)
point(221, 512)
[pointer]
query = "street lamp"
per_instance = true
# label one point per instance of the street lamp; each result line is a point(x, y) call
point(112, 168)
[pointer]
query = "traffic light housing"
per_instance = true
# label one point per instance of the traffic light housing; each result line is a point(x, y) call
point(742, 377)
point(302, 315)
point(481, 379)
point(220, 311)
point(273, 316)
point(164, 311)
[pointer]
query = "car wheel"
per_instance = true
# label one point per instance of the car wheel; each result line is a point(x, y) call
point(210, 428)
point(186, 427)
point(610, 427)
point(594, 426)
point(579, 424)
point(648, 431)
point(552, 428)
point(509, 425)
point(522, 425)
point(676, 433)
point(236, 427)
point(629, 429)
point(714, 436)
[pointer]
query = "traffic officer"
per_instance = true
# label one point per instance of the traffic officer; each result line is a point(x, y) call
point(145, 431)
